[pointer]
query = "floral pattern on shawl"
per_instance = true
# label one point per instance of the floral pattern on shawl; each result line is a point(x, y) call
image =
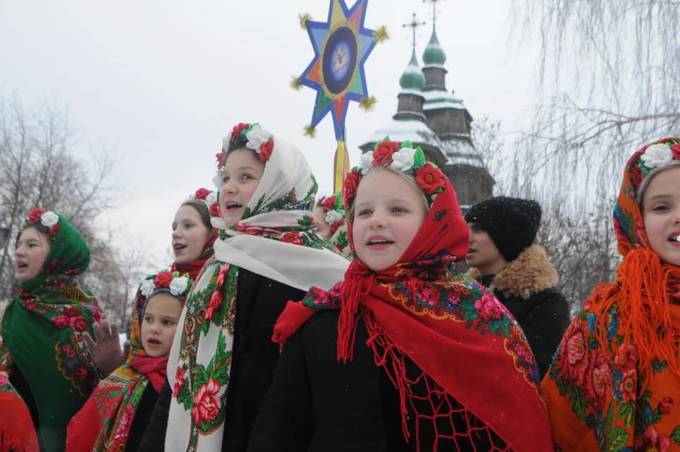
point(614, 382)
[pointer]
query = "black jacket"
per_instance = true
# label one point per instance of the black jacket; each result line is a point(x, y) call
point(259, 301)
point(318, 404)
point(526, 286)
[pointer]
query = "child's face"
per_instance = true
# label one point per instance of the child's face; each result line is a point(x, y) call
point(661, 213)
point(388, 212)
point(241, 175)
point(189, 234)
point(159, 324)
point(323, 229)
point(29, 256)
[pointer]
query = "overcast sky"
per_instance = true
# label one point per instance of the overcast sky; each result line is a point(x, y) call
point(158, 83)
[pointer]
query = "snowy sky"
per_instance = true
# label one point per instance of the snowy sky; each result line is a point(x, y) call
point(158, 83)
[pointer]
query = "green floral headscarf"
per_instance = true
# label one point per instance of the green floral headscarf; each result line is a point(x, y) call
point(43, 328)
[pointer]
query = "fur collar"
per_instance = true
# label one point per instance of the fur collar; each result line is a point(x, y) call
point(530, 273)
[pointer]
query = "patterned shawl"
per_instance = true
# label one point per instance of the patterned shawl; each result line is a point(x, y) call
point(104, 423)
point(275, 238)
point(614, 383)
point(43, 327)
point(475, 363)
point(335, 216)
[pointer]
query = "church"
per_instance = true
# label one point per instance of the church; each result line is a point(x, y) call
point(436, 120)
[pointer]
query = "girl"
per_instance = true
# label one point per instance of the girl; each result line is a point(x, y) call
point(192, 232)
point(402, 354)
point(43, 349)
point(329, 221)
point(614, 383)
point(222, 359)
point(192, 243)
point(116, 413)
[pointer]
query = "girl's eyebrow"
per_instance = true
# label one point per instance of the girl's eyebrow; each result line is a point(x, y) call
point(660, 196)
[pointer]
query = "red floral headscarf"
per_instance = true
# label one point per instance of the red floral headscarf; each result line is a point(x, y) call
point(418, 310)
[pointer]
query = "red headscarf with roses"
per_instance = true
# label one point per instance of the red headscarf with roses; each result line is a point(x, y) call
point(473, 358)
point(614, 378)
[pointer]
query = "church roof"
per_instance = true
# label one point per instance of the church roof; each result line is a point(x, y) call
point(436, 99)
point(404, 130)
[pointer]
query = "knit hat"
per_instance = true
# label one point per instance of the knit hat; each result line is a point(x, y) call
point(512, 223)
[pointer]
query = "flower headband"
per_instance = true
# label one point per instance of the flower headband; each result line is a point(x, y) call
point(256, 139)
point(663, 153)
point(45, 218)
point(335, 213)
point(401, 157)
point(166, 281)
point(209, 198)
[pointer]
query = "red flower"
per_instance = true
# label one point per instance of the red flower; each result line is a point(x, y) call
point(430, 295)
point(666, 405)
point(382, 154)
point(238, 128)
point(202, 193)
point(80, 373)
point(600, 380)
point(163, 279)
point(78, 323)
point(292, 237)
point(220, 159)
point(626, 356)
point(628, 384)
point(180, 377)
point(349, 190)
point(675, 149)
point(206, 402)
point(488, 308)
point(328, 202)
point(34, 215)
point(215, 210)
point(213, 305)
point(319, 296)
point(60, 322)
point(574, 352)
point(266, 150)
point(429, 178)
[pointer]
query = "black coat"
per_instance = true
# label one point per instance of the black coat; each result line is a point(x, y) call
point(259, 301)
point(526, 287)
point(317, 404)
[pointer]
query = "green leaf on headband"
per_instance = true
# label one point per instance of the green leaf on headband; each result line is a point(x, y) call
point(418, 158)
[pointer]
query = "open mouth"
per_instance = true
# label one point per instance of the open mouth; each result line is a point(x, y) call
point(22, 265)
point(675, 238)
point(153, 342)
point(232, 205)
point(379, 242)
point(178, 246)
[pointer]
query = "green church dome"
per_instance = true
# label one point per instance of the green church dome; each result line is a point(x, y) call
point(413, 77)
point(434, 54)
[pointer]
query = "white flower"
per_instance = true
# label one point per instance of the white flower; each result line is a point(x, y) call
point(217, 180)
point(657, 155)
point(225, 143)
point(366, 161)
point(256, 136)
point(147, 287)
point(178, 285)
point(402, 160)
point(49, 219)
point(333, 215)
point(211, 198)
